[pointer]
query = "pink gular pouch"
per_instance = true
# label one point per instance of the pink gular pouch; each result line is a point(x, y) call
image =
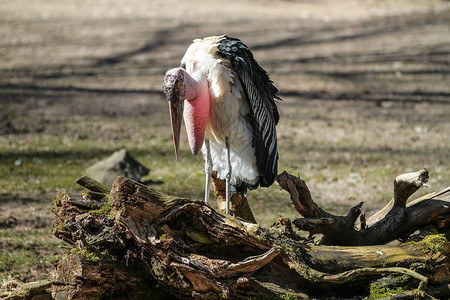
point(196, 111)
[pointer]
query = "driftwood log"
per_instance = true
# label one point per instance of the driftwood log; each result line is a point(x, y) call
point(396, 221)
point(135, 242)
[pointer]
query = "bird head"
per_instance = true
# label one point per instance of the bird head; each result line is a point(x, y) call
point(174, 89)
point(189, 98)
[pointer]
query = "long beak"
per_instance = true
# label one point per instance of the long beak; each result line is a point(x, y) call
point(176, 116)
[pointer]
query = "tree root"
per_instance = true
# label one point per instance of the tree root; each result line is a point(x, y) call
point(396, 221)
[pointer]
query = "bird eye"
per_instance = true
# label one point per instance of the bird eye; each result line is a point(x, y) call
point(183, 65)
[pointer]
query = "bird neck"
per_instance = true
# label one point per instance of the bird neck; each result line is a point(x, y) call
point(194, 84)
point(196, 109)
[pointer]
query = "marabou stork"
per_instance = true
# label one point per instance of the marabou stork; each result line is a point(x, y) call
point(229, 107)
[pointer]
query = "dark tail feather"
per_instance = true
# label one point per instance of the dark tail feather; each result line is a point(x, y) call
point(242, 188)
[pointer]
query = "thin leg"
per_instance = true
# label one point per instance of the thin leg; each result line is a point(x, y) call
point(228, 176)
point(208, 170)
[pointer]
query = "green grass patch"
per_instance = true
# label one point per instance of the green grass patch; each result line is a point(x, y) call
point(27, 251)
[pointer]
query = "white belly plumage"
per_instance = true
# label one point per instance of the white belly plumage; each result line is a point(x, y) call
point(239, 133)
point(228, 115)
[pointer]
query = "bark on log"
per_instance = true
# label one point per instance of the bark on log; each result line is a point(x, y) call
point(142, 243)
point(239, 206)
point(13, 289)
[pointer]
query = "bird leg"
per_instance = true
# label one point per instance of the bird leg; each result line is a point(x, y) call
point(228, 176)
point(208, 170)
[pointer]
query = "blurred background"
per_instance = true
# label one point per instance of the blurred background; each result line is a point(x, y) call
point(365, 87)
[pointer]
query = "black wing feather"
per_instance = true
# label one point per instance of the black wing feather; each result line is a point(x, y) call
point(261, 94)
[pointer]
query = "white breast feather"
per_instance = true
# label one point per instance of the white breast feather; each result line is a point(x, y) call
point(228, 114)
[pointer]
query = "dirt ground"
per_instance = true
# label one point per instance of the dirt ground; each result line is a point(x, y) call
point(365, 89)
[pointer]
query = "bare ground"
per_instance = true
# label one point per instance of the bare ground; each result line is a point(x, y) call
point(365, 89)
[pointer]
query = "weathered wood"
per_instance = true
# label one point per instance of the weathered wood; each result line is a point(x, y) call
point(103, 261)
point(185, 248)
point(333, 259)
point(93, 185)
point(397, 221)
point(13, 289)
point(239, 206)
point(86, 276)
